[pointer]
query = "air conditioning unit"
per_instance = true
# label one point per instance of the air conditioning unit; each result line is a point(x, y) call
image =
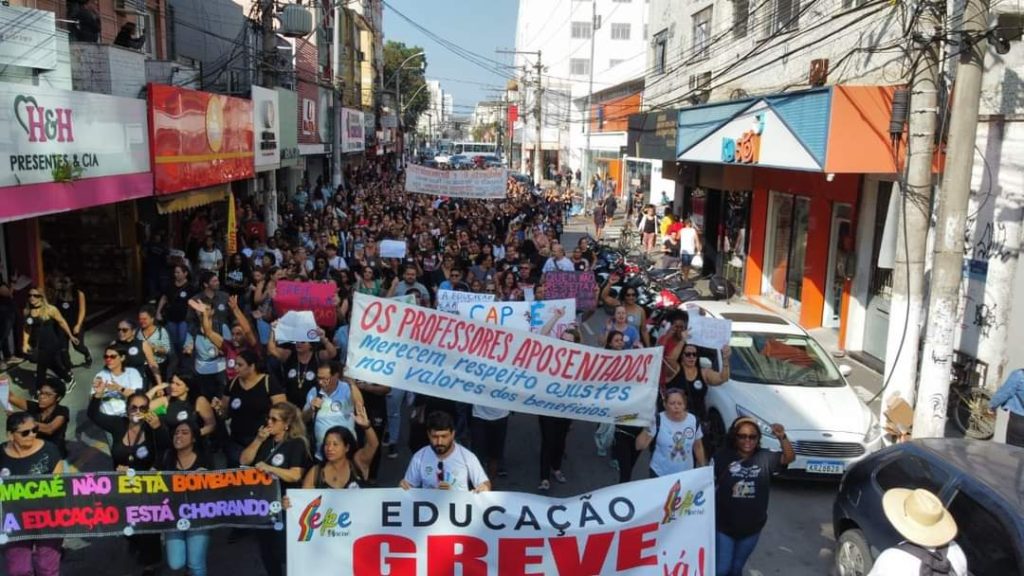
point(130, 6)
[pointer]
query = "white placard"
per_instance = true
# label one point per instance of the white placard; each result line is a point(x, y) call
point(297, 326)
point(5, 391)
point(529, 316)
point(392, 249)
point(353, 134)
point(457, 183)
point(658, 526)
point(448, 300)
point(709, 332)
point(42, 128)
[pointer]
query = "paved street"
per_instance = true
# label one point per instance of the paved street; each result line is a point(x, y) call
point(797, 541)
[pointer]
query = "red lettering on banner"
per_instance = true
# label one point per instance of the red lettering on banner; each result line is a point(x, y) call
point(378, 317)
point(513, 558)
point(568, 560)
point(445, 552)
point(631, 546)
point(369, 559)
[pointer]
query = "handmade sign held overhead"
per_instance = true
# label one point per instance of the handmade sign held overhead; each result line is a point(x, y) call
point(709, 332)
point(296, 326)
point(556, 315)
point(317, 297)
point(448, 300)
point(120, 503)
point(431, 352)
point(581, 286)
point(664, 525)
point(392, 249)
point(456, 183)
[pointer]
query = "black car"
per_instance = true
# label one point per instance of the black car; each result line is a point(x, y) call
point(980, 483)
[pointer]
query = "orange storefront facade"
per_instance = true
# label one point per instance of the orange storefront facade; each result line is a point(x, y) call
point(778, 182)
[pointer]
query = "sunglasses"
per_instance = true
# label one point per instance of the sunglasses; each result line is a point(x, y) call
point(27, 433)
point(110, 356)
point(689, 355)
point(138, 408)
point(747, 436)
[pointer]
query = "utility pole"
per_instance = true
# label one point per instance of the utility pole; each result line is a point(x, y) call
point(948, 254)
point(338, 86)
point(905, 312)
point(538, 170)
point(594, 27)
point(269, 71)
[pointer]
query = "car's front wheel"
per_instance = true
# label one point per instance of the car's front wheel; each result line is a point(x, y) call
point(853, 554)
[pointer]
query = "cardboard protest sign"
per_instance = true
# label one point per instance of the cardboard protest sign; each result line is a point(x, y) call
point(119, 503)
point(456, 183)
point(431, 352)
point(448, 300)
point(392, 249)
point(529, 316)
point(317, 297)
point(709, 332)
point(664, 525)
point(581, 286)
point(297, 326)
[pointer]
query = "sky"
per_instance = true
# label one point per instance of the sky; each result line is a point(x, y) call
point(478, 26)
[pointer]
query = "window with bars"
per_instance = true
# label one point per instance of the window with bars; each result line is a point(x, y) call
point(579, 66)
point(740, 18)
point(660, 44)
point(781, 16)
point(620, 31)
point(581, 30)
point(702, 34)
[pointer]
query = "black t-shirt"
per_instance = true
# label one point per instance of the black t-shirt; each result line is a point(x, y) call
point(176, 309)
point(57, 438)
point(181, 411)
point(248, 409)
point(44, 461)
point(741, 486)
point(170, 462)
point(288, 454)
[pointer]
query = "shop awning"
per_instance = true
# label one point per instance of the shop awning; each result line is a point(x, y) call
point(192, 199)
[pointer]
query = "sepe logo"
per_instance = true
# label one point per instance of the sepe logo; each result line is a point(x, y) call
point(677, 504)
point(42, 124)
point(328, 524)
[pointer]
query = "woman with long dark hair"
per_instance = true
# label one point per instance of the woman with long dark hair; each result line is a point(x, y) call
point(173, 306)
point(245, 404)
point(344, 464)
point(26, 454)
point(138, 353)
point(70, 301)
point(186, 548)
point(41, 340)
point(182, 404)
point(51, 417)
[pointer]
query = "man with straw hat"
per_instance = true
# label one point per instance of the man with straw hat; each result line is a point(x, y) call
point(928, 530)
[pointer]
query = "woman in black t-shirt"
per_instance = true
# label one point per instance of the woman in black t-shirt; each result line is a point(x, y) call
point(173, 307)
point(246, 404)
point(51, 418)
point(281, 450)
point(183, 404)
point(186, 548)
point(25, 454)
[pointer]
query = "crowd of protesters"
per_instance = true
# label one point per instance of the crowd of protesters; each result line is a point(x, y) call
point(198, 377)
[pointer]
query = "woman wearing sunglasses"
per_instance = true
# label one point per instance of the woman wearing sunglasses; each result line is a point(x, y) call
point(694, 380)
point(42, 341)
point(137, 438)
point(115, 382)
point(25, 454)
point(51, 417)
point(743, 476)
point(138, 353)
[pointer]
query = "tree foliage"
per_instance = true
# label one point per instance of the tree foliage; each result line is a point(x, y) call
point(411, 77)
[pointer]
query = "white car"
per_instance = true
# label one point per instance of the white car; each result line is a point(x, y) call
point(778, 373)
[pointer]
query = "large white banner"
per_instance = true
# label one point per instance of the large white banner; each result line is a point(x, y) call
point(266, 123)
point(43, 130)
point(458, 183)
point(662, 526)
point(439, 354)
point(535, 316)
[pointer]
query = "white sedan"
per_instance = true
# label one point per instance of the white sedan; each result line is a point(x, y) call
point(778, 373)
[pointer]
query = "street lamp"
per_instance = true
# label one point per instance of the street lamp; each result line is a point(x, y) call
point(397, 79)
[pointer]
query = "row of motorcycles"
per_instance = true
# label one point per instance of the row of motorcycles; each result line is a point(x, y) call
point(659, 289)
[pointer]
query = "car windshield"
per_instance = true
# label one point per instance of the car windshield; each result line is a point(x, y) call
point(781, 359)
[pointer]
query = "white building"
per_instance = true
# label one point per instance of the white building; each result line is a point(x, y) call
point(564, 34)
point(438, 115)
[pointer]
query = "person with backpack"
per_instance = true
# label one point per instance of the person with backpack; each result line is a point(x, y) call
point(928, 530)
point(674, 439)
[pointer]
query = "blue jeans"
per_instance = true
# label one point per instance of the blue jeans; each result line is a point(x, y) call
point(732, 553)
point(187, 548)
point(178, 332)
point(395, 399)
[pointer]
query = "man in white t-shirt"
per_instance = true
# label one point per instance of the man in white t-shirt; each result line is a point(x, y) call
point(444, 464)
point(558, 261)
point(928, 530)
point(689, 246)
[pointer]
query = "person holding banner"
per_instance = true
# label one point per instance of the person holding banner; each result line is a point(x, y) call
point(624, 443)
point(281, 450)
point(26, 454)
point(554, 430)
point(342, 465)
point(444, 464)
point(674, 438)
point(51, 417)
point(743, 476)
point(186, 548)
point(138, 438)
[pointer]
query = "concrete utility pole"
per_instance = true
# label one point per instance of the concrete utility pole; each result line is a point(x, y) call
point(948, 254)
point(337, 42)
point(538, 161)
point(595, 25)
point(269, 70)
point(908, 298)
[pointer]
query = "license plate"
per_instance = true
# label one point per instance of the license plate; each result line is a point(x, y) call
point(825, 467)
